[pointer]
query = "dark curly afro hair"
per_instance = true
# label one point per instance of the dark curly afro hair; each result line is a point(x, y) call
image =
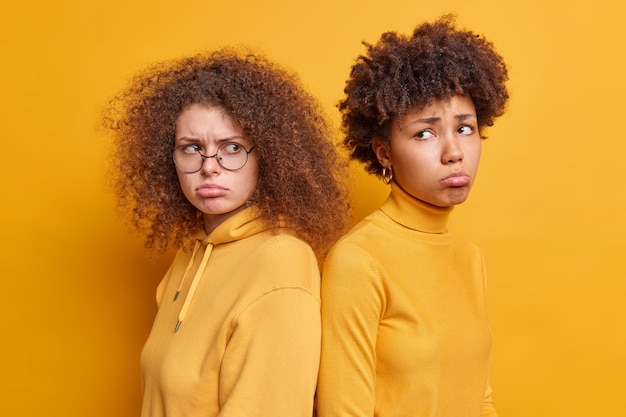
point(400, 72)
point(299, 171)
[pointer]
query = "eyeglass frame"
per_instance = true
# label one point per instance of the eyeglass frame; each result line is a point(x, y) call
point(205, 157)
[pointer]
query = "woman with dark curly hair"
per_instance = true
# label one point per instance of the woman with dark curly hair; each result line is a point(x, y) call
point(226, 156)
point(404, 315)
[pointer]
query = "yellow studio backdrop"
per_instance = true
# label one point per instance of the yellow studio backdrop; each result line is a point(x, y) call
point(78, 290)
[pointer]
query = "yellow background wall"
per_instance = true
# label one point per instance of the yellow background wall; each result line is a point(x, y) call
point(548, 210)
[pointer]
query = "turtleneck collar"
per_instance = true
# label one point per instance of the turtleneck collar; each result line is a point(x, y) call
point(415, 214)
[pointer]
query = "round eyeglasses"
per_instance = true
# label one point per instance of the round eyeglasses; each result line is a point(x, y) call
point(230, 155)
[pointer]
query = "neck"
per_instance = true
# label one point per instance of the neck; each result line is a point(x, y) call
point(414, 213)
point(212, 220)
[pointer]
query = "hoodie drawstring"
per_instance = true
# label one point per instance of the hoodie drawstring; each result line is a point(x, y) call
point(189, 265)
point(194, 283)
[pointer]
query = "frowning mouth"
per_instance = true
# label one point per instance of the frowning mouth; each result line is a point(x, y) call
point(211, 190)
point(456, 179)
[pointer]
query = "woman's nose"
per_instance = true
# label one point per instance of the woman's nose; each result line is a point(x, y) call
point(452, 151)
point(210, 165)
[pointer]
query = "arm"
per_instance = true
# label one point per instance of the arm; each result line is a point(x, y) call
point(352, 305)
point(271, 361)
point(488, 408)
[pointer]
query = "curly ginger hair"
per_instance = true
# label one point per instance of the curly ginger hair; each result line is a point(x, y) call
point(299, 171)
point(401, 72)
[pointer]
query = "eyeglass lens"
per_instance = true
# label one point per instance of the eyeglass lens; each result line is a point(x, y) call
point(230, 155)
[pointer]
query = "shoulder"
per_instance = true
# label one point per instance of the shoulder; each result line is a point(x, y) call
point(362, 241)
point(354, 262)
point(464, 246)
point(283, 245)
point(281, 260)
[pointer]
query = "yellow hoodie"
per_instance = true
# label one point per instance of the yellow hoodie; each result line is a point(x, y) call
point(237, 332)
point(404, 313)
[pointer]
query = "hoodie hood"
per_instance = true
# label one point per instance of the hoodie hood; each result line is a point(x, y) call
point(239, 226)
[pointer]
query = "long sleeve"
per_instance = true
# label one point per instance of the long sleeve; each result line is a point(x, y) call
point(352, 304)
point(405, 329)
point(488, 408)
point(271, 360)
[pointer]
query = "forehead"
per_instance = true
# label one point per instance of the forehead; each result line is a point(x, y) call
point(206, 121)
point(439, 107)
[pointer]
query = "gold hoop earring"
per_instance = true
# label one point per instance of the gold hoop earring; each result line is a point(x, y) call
point(387, 175)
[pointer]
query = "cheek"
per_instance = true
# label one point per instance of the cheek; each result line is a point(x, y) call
point(253, 183)
point(414, 163)
point(253, 174)
point(183, 180)
point(474, 154)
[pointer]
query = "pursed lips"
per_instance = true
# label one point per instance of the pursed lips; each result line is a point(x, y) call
point(211, 190)
point(456, 179)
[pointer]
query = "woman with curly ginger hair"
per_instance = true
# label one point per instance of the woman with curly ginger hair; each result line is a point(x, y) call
point(226, 155)
point(404, 316)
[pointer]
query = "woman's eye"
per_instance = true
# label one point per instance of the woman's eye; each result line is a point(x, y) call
point(466, 130)
point(231, 147)
point(424, 134)
point(191, 148)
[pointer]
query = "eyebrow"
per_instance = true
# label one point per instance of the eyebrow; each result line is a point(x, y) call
point(432, 120)
point(465, 116)
point(220, 140)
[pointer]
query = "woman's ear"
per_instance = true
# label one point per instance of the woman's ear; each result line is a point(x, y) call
point(382, 153)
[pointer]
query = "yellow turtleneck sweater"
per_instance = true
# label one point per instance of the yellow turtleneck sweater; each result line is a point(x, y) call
point(242, 337)
point(405, 330)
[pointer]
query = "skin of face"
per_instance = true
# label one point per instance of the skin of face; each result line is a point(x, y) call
point(215, 191)
point(434, 151)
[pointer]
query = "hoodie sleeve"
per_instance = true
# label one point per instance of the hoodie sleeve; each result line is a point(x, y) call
point(160, 291)
point(271, 362)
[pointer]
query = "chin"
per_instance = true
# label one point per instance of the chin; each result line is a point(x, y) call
point(457, 197)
